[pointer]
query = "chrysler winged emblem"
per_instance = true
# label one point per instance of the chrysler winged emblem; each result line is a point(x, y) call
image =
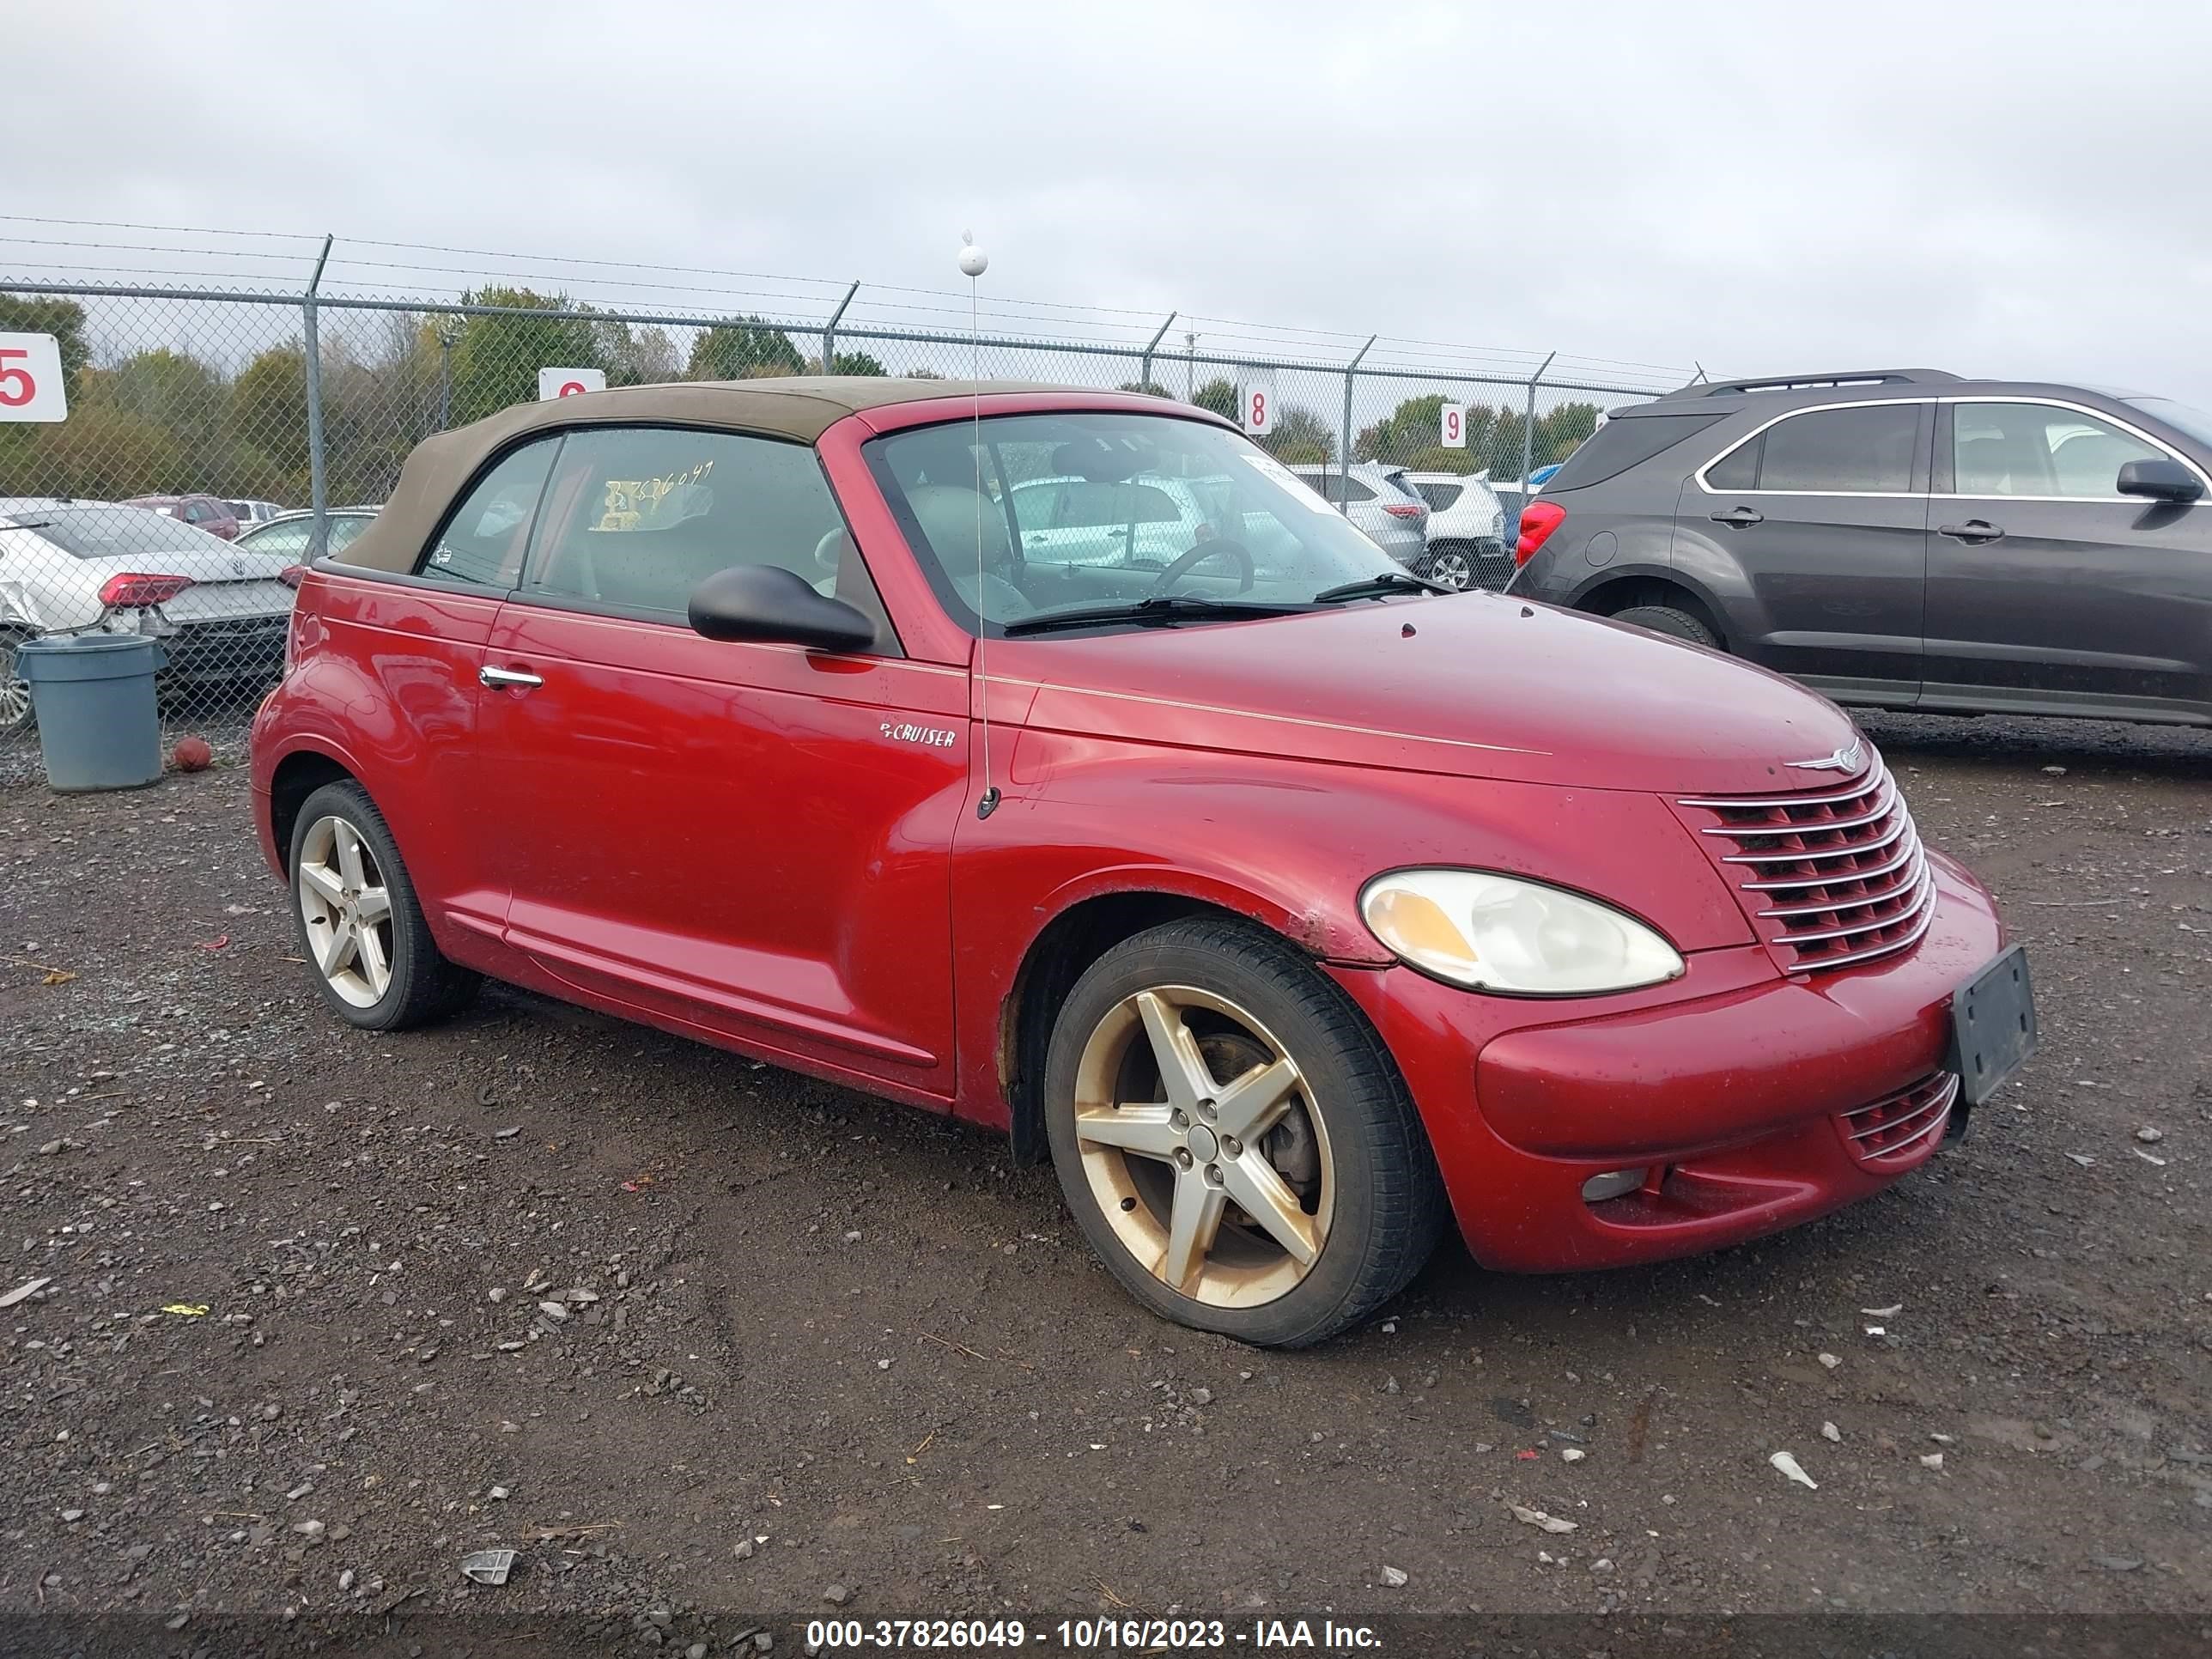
point(1846, 759)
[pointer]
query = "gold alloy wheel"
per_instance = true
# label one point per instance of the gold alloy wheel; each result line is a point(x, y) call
point(1208, 1156)
point(347, 912)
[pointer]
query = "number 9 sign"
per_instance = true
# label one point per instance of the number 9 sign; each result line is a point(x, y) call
point(31, 386)
point(1256, 405)
point(1453, 434)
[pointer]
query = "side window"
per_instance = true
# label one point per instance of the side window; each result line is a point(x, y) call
point(481, 540)
point(635, 518)
point(2039, 449)
point(287, 538)
point(1859, 450)
point(1737, 470)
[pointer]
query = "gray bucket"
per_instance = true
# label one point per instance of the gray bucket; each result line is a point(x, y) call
point(100, 725)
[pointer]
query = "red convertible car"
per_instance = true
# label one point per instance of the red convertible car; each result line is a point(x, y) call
point(1286, 903)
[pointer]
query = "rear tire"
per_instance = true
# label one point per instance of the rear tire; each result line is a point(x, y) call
point(358, 920)
point(1451, 565)
point(1676, 624)
point(1235, 1143)
point(15, 711)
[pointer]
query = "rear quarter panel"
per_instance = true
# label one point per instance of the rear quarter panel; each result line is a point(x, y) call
point(383, 681)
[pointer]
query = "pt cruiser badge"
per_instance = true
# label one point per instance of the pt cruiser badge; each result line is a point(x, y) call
point(930, 737)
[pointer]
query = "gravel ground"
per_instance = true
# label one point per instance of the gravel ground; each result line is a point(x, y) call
point(319, 1312)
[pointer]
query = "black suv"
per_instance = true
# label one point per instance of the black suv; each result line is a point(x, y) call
point(1903, 538)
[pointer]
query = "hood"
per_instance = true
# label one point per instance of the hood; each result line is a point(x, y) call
point(1476, 685)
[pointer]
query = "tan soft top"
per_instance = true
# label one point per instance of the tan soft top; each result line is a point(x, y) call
point(801, 407)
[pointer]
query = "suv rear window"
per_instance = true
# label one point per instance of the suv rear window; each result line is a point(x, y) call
point(1620, 444)
point(1439, 496)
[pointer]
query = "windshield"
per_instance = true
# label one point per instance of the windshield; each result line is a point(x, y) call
point(1081, 511)
point(2180, 416)
point(114, 532)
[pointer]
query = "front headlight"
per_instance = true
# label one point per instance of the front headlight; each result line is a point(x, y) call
point(1502, 934)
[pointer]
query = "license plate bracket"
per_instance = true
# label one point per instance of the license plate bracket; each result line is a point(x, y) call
point(1992, 1026)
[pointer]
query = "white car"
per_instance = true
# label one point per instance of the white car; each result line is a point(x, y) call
point(221, 611)
point(253, 512)
point(1467, 529)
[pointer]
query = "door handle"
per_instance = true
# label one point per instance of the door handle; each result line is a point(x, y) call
point(512, 679)
point(1740, 517)
point(1974, 530)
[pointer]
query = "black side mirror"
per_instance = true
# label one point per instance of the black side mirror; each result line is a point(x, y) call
point(766, 602)
point(2161, 480)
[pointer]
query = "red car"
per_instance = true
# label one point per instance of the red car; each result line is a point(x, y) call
point(201, 512)
point(1286, 904)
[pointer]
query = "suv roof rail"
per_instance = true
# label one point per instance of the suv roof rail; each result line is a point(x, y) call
point(1843, 377)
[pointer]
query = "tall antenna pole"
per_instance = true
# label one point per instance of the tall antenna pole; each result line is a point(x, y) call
point(972, 263)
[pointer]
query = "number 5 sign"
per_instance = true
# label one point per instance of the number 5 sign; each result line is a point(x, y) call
point(1256, 404)
point(1453, 423)
point(31, 378)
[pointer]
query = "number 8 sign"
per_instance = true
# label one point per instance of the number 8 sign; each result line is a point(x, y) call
point(1256, 405)
point(31, 386)
point(1453, 423)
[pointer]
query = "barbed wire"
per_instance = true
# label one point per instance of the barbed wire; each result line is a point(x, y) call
point(798, 302)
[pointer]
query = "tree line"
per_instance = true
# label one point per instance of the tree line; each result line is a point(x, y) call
point(165, 421)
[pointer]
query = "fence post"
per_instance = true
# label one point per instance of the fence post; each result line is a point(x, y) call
point(317, 537)
point(1144, 379)
point(1344, 457)
point(829, 330)
point(1529, 427)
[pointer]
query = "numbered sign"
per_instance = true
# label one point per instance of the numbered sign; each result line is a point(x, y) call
point(1256, 404)
point(31, 378)
point(1452, 424)
point(568, 382)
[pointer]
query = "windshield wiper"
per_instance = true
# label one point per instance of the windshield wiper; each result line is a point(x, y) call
point(1374, 586)
point(1160, 610)
point(18, 524)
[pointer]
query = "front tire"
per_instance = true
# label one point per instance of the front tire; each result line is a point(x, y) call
point(359, 923)
point(1234, 1140)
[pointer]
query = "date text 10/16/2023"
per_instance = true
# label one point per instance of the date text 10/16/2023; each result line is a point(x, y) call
point(1091, 1635)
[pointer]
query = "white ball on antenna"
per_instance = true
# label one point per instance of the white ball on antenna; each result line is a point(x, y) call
point(973, 262)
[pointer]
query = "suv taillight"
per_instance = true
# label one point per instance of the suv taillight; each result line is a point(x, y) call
point(1538, 520)
point(132, 591)
point(1401, 509)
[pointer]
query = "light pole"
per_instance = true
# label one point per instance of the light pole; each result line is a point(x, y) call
point(449, 336)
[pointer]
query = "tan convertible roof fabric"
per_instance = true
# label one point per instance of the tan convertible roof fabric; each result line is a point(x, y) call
point(796, 407)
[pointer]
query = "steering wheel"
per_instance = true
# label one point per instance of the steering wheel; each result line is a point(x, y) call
point(1198, 556)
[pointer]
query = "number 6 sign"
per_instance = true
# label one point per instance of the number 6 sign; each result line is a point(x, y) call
point(1256, 405)
point(1453, 423)
point(31, 378)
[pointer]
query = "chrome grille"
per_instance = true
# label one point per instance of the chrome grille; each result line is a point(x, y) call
point(1899, 1129)
point(1828, 878)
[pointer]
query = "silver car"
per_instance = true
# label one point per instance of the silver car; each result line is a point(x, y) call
point(288, 532)
point(221, 611)
point(1387, 512)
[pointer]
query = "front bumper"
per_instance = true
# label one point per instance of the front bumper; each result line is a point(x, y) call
point(1734, 1092)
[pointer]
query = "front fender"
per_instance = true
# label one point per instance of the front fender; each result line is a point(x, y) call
point(1286, 844)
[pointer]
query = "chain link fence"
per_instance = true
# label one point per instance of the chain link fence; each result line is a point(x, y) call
point(215, 439)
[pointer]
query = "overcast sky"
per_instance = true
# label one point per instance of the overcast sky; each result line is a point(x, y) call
point(2011, 189)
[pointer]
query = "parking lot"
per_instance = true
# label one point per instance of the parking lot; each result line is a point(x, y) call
point(325, 1312)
